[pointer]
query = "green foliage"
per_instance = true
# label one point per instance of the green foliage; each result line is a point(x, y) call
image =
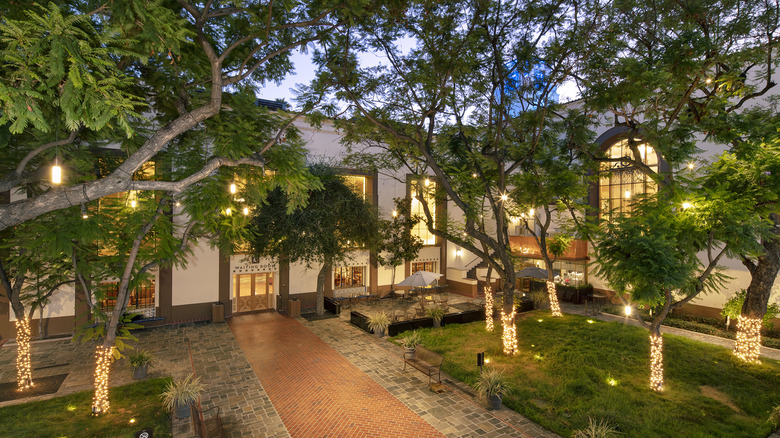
point(182, 392)
point(570, 385)
point(596, 429)
point(410, 339)
point(71, 415)
point(492, 382)
point(333, 222)
point(139, 358)
point(378, 321)
point(435, 312)
point(398, 245)
point(733, 308)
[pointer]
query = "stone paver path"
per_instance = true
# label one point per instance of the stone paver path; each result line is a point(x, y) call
point(455, 413)
point(316, 391)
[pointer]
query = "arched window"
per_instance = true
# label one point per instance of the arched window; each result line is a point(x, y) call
point(620, 182)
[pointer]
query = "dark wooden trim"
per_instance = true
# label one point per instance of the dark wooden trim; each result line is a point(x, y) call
point(224, 284)
point(165, 292)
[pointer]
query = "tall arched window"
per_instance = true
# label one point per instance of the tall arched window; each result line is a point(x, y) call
point(620, 182)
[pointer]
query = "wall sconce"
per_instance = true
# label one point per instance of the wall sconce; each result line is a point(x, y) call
point(459, 252)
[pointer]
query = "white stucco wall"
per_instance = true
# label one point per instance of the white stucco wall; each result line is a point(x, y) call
point(303, 280)
point(61, 303)
point(198, 282)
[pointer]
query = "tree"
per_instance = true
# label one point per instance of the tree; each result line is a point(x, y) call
point(674, 75)
point(146, 79)
point(334, 222)
point(465, 106)
point(398, 245)
point(752, 171)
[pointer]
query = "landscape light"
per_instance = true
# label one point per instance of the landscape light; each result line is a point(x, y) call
point(233, 188)
point(686, 205)
point(627, 310)
point(228, 211)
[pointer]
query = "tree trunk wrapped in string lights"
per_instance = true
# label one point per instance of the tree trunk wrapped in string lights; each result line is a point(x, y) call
point(103, 358)
point(748, 345)
point(554, 306)
point(488, 308)
point(510, 333)
point(656, 362)
point(23, 356)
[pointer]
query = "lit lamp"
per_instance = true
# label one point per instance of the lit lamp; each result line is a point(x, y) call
point(686, 205)
point(627, 194)
point(246, 211)
point(56, 172)
point(459, 252)
point(627, 310)
point(395, 213)
point(228, 211)
point(504, 197)
point(233, 188)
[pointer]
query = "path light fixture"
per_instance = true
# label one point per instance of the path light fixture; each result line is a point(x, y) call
point(627, 310)
point(228, 211)
point(686, 205)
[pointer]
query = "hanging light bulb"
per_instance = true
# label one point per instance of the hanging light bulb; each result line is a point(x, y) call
point(531, 212)
point(228, 211)
point(690, 165)
point(504, 197)
point(427, 182)
point(56, 172)
point(246, 211)
point(395, 213)
point(627, 194)
point(233, 188)
point(686, 205)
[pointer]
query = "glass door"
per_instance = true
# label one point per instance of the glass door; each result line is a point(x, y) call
point(253, 291)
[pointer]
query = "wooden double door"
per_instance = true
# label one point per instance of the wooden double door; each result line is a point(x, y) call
point(253, 291)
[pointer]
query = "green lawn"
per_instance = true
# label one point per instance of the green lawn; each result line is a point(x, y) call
point(70, 416)
point(560, 378)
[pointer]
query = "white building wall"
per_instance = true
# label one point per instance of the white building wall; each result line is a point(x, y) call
point(61, 303)
point(198, 282)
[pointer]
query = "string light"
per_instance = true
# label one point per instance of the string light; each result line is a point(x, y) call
point(23, 356)
point(488, 309)
point(656, 362)
point(748, 344)
point(56, 172)
point(510, 333)
point(103, 358)
point(554, 306)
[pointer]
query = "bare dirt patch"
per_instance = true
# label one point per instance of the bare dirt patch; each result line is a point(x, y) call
point(710, 392)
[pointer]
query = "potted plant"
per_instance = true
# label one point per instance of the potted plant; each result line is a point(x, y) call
point(437, 313)
point(180, 394)
point(378, 322)
point(140, 360)
point(492, 384)
point(409, 341)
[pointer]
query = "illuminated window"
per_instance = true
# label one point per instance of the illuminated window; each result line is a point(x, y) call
point(420, 230)
point(620, 182)
point(357, 184)
point(423, 266)
point(349, 276)
point(141, 298)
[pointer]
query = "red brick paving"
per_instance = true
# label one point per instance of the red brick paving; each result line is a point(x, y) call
point(316, 391)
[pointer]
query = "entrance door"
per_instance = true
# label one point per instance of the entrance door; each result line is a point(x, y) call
point(253, 291)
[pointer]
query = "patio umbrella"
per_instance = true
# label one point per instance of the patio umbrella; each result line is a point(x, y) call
point(533, 272)
point(420, 279)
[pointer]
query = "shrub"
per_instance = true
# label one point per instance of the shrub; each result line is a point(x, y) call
point(492, 381)
point(600, 429)
point(410, 339)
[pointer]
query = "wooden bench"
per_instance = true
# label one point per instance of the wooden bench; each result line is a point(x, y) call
point(207, 423)
point(426, 361)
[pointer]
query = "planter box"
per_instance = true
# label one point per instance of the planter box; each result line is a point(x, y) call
point(525, 304)
point(359, 320)
point(332, 306)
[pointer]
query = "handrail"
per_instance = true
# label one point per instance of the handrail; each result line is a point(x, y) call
point(468, 265)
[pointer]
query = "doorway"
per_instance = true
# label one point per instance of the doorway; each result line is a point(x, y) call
point(253, 292)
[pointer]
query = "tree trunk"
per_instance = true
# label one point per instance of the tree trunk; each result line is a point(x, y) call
point(326, 266)
point(763, 275)
point(656, 358)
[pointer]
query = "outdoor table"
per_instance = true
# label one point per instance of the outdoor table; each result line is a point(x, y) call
point(597, 298)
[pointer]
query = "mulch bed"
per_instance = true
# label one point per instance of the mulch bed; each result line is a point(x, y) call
point(41, 386)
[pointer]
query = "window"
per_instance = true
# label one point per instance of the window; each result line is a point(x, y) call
point(141, 298)
point(421, 228)
point(357, 184)
point(423, 266)
point(620, 182)
point(348, 276)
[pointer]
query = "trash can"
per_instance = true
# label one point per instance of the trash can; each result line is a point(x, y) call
point(217, 312)
point(294, 307)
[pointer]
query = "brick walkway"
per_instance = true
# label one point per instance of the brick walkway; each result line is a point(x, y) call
point(316, 391)
point(455, 413)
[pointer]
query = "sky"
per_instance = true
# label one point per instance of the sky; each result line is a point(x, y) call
point(304, 74)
